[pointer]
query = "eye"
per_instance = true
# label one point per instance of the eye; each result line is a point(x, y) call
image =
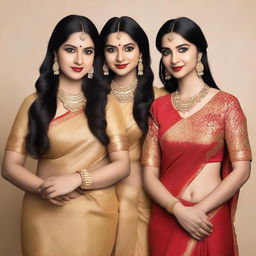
point(129, 48)
point(70, 50)
point(88, 51)
point(110, 49)
point(183, 49)
point(165, 52)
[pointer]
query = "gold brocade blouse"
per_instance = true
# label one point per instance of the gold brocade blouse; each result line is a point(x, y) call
point(72, 145)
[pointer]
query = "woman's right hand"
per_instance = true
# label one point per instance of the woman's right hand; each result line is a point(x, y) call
point(194, 221)
point(64, 199)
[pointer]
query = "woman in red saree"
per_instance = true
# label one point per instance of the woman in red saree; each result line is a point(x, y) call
point(196, 153)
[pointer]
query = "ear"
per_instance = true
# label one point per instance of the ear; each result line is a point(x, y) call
point(200, 54)
point(140, 55)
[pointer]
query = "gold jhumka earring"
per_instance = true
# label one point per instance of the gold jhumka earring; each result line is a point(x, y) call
point(105, 70)
point(83, 34)
point(56, 67)
point(90, 74)
point(200, 68)
point(140, 67)
point(171, 37)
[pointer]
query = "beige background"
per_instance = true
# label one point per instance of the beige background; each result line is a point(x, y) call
point(25, 28)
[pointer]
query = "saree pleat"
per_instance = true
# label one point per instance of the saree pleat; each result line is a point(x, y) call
point(181, 147)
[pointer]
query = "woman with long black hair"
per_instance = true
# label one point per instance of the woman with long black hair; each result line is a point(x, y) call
point(196, 153)
point(126, 73)
point(70, 206)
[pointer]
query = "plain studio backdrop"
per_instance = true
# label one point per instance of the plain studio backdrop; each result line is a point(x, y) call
point(26, 26)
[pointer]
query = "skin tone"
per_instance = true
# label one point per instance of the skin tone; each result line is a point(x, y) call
point(124, 52)
point(207, 189)
point(75, 59)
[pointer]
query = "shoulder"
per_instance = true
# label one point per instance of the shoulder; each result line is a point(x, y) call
point(159, 105)
point(227, 99)
point(158, 92)
point(27, 102)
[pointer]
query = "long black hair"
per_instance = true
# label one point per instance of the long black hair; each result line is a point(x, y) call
point(189, 30)
point(44, 107)
point(144, 94)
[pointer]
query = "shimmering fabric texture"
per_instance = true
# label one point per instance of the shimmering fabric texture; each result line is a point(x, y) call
point(181, 147)
point(86, 225)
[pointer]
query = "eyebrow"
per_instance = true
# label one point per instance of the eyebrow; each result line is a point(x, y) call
point(70, 45)
point(178, 46)
point(109, 45)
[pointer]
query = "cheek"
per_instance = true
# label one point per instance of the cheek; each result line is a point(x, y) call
point(109, 59)
point(166, 62)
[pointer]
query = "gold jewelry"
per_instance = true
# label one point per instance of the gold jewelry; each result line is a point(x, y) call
point(167, 75)
point(169, 207)
point(186, 104)
point(71, 102)
point(200, 68)
point(118, 30)
point(90, 74)
point(56, 67)
point(86, 178)
point(83, 34)
point(124, 93)
point(171, 37)
point(105, 70)
point(140, 67)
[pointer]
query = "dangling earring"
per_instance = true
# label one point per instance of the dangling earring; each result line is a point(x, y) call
point(56, 67)
point(105, 70)
point(90, 74)
point(140, 67)
point(167, 75)
point(200, 68)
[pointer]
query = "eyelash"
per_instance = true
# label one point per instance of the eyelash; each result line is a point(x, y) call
point(72, 50)
point(127, 49)
point(181, 50)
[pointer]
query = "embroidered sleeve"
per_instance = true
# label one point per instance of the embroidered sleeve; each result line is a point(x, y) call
point(236, 134)
point(151, 149)
point(16, 139)
point(115, 127)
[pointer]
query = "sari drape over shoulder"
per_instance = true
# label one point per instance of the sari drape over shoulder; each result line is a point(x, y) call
point(86, 225)
point(181, 147)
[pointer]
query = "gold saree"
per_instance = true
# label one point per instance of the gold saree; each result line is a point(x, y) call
point(86, 225)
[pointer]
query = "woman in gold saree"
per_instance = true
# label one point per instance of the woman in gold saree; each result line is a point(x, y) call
point(70, 206)
point(125, 59)
point(196, 153)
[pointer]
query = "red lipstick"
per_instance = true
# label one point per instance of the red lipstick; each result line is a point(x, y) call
point(177, 69)
point(77, 69)
point(121, 66)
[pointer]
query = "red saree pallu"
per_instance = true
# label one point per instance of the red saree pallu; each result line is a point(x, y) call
point(181, 147)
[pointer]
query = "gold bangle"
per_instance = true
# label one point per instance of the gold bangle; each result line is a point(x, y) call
point(169, 207)
point(86, 178)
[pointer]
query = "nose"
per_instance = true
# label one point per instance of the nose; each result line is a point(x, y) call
point(79, 58)
point(175, 58)
point(119, 56)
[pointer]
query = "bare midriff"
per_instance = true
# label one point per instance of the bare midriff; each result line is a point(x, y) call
point(207, 179)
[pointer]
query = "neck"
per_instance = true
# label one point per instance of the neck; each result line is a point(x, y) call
point(190, 85)
point(70, 86)
point(126, 79)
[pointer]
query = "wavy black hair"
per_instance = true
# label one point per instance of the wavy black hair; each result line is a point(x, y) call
point(144, 94)
point(43, 109)
point(189, 30)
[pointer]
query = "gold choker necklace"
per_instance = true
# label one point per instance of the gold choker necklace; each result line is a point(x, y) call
point(71, 102)
point(186, 104)
point(124, 93)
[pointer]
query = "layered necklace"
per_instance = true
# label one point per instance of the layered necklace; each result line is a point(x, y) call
point(124, 93)
point(184, 105)
point(71, 102)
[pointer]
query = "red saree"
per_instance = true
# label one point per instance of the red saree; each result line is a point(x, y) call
point(181, 147)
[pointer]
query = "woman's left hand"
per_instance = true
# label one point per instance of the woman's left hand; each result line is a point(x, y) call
point(59, 185)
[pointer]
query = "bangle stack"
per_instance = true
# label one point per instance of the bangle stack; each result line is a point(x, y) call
point(169, 207)
point(86, 178)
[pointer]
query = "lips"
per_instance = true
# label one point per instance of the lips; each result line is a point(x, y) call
point(177, 69)
point(77, 69)
point(121, 66)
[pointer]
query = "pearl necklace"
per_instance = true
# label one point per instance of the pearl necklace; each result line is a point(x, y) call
point(124, 93)
point(71, 102)
point(186, 104)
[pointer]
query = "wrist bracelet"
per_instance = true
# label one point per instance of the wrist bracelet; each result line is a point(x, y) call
point(86, 178)
point(169, 207)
